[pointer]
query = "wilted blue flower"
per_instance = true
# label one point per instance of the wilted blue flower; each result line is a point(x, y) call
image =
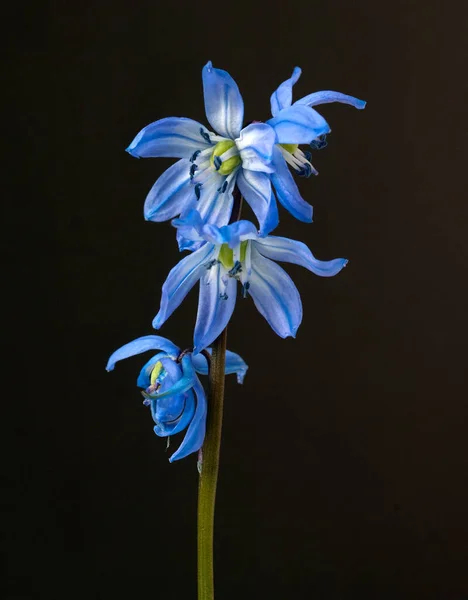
point(172, 389)
point(297, 124)
point(211, 163)
point(237, 253)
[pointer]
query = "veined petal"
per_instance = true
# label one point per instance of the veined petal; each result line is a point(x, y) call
point(164, 429)
point(171, 194)
point(238, 232)
point(216, 303)
point(175, 137)
point(298, 125)
point(215, 206)
point(275, 295)
point(287, 191)
point(328, 96)
point(255, 144)
point(292, 251)
point(234, 364)
point(195, 435)
point(255, 187)
point(282, 97)
point(224, 106)
point(180, 281)
point(142, 344)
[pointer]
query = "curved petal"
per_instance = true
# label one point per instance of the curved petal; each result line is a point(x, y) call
point(275, 295)
point(179, 382)
point(224, 106)
point(180, 281)
point(287, 191)
point(255, 144)
point(282, 97)
point(171, 194)
point(255, 187)
point(216, 303)
point(292, 251)
point(328, 96)
point(195, 435)
point(164, 429)
point(234, 364)
point(142, 344)
point(175, 137)
point(298, 125)
point(144, 377)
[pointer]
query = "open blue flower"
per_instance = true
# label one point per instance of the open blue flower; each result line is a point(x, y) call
point(172, 389)
point(297, 124)
point(235, 253)
point(212, 163)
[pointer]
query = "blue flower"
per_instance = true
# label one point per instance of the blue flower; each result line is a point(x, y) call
point(172, 389)
point(212, 163)
point(297, 124)
point(237, 253)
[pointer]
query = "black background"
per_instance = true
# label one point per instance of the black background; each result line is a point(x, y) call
point(344, 459)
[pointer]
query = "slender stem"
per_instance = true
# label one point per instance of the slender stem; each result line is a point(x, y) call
point(209, 470)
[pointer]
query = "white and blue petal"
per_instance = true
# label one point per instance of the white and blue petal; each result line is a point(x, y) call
point(234, 364)
point(286, 250)
point(327, 96)
point(215, 205)
point(224, 106)
point(255, 144)
point(180, 281)
point(142, 344)
point(282, 97)
point(255, 187)
point(298, 124)
point(275, 295)
point(171, 194)
point(287, 191)
point(175, 137)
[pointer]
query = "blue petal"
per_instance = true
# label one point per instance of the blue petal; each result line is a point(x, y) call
point(175, 137)
point(164, 429)
point(328, 96)
point(224, 106)
point(287, 191)
point(275, 295)
point(255, 187)
point(215, 305)
point(214, 205)
point(238, 232)
point(282, 98)
point(143, 380)
point(190, 225)
point(180, 383)
point(298, 125)
point(255, 145)
point(142, 344)
point(195, 435)
point(171, 194)
point(292, 251)
point(234, 364)
point(180, 281)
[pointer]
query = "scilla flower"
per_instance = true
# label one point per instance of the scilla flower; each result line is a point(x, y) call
point(297, 124)
point(212, 163)
point(172, 389)
point(231, 254)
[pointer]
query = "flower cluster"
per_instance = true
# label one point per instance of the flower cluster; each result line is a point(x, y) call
point(216, 166)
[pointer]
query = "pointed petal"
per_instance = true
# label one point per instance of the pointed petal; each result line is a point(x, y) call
point(171, 194)
point(215, 305)
point(224, 106)
point(328, 96)
point(164, 429)
point(282, 97)
point(298, 125)
point(234, 364)
point(175, 137)
point(292, 251)
point(287, 191)
point(255, 144)
point(195, 435)
point(142, 344)
point(255, 187)
point(180, 281)
point(275, 295)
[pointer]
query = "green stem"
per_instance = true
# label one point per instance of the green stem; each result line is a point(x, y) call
point(209, 470)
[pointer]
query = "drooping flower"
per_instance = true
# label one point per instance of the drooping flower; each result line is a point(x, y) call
point(297, 124)
point(172, 388)
point(212, 163)
point(235, 253)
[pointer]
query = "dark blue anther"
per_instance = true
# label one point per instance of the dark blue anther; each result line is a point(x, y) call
point(237, 268)
point(204, 135)
point(308, 155)
point(217, 162)
point(193, 168)
point(146, 402)
point(245, 289)
point(306, 171)
point(193, 158)
point(198, 190)
point(210, 264)
point(319, 143)
point(222, 189)
point(223, 296)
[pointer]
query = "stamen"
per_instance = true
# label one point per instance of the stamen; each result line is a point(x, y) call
point(222, 189)
point(223, 296)
point(193, 158)
point(217, 162)
point(193, 168)
point(245, 289)
point(210, 264)
point(319, 143)
point(146, 402)
point(198, 188)
point(237, 268)
point(205, 135)
point(230, 153)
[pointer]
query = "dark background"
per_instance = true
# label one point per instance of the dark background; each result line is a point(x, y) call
point(344, 459)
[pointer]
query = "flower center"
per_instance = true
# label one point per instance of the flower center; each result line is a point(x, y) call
point(225, 157)
point(291, 148)
point(226, 255)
